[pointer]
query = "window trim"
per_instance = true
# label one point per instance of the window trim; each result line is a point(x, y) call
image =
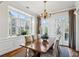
point(20, 11)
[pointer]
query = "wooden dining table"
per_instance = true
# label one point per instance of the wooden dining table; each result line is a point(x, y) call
point(41, 46)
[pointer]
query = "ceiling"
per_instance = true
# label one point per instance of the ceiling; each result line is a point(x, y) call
point(52, 6)
point(37, 7)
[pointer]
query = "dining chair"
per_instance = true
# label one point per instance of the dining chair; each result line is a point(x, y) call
point(56, 48)
point(28, 41)
point(33, 37)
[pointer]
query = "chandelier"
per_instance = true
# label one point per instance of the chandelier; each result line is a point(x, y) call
point(44, 14)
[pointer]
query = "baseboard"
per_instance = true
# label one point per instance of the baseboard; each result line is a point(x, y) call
point(11, 53)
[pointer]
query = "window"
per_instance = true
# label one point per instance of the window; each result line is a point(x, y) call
point(19, 23)
point(44, 26)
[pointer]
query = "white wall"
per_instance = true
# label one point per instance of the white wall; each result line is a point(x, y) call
point(77, 26)
point(11, 43)
point(77, 32)
point(3, 21)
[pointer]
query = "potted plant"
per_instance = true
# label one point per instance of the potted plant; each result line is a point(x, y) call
point(45, 35)
point(23, 32)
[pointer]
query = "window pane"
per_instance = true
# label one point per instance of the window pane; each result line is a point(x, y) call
point(19, 23)
point(13, 13)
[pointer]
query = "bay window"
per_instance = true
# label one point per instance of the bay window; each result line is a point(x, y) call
point(19, 23)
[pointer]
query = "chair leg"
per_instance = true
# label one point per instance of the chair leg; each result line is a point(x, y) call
point(27, 52)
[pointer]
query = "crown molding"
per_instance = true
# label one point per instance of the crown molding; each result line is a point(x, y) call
point(64, 10)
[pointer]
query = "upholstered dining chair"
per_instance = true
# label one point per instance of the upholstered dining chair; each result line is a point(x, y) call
point(28, 41)
point(52, 52)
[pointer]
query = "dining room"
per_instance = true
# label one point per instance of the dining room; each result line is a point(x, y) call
point(39, 29)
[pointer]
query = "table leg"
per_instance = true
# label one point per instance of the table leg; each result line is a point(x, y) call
point(38, 55)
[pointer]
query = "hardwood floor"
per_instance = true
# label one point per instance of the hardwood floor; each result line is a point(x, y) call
point(20, 52)
point(65, 52)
